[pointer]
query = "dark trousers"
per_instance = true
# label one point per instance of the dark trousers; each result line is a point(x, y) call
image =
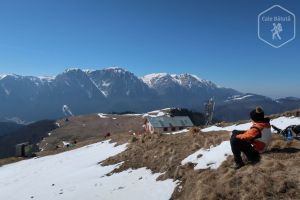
point(238, 146)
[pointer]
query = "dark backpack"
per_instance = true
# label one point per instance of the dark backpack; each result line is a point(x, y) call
point(296, 129)
point(285, 132)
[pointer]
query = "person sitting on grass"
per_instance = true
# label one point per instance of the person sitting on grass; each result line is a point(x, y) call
point(253, 141)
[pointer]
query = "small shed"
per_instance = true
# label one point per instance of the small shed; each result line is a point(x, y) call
point(24, 150)
point(167, 124)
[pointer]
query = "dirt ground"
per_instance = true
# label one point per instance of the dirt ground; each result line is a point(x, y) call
point(89, 128)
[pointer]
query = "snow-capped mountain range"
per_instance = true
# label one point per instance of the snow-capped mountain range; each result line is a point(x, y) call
point(117, 90)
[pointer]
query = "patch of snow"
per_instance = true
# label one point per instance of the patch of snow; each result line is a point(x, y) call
point(47, 78)
point(89, 70)
point(7, 92)
point(177, 132)
point(156, 113)
point(135, 184)
point(197, 78)
point(166, 109)
point(132, 114)
point(15, 76)
point(105, 93)
point(116, 69)
point(238, 97)
point(2, 76)
point(70, 175)
point(57, 124)
point(67, 83)
point(160, 114)
point(150, 78)
point(210, 158)
point(101, 115)
point(72, 69)
point(176, 78)
point(187, 80)
point(228, 128)
point(105, 84)
point(49, 134)
point(281, 122)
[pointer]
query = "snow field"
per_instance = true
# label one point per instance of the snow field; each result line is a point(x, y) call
point(76, 174)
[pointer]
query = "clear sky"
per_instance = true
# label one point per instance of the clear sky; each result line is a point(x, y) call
point(216, 40)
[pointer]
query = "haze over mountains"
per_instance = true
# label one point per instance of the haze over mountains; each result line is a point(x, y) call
point(29, 98)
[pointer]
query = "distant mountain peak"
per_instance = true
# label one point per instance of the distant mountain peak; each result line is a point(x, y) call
point(181, 79)
point(150, 78)
point(73, 70)
point(2, 76)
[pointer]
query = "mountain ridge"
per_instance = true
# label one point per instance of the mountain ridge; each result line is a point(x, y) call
point(116, 89)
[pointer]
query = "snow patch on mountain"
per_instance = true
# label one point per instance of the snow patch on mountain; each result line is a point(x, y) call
point(186, 80)
point(7, 91)
point(2, 76)
point(151, 78)
point(157, 113)
point(105, 84)
point(89, 70)
point(116, 69)
point(47, 78)
point(73, 70)
point(105, 93)
point(103, 116)
point(238, 97)
point(15, 76)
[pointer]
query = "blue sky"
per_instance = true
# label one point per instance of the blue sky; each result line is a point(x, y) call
point(216, 40)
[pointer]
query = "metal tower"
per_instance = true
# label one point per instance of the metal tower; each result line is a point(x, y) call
point(209, 111)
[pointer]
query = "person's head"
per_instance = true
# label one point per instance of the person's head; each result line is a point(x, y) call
point(257, 115)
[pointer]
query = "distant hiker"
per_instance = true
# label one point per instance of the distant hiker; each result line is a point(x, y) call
point(253, 141)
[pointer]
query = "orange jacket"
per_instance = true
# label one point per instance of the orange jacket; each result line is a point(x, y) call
point(253, 133)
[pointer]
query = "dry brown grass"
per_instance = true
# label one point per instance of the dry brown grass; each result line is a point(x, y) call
point(277, 176)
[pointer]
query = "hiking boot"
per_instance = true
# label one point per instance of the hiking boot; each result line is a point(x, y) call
point(237, 165)
point(253, 161)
